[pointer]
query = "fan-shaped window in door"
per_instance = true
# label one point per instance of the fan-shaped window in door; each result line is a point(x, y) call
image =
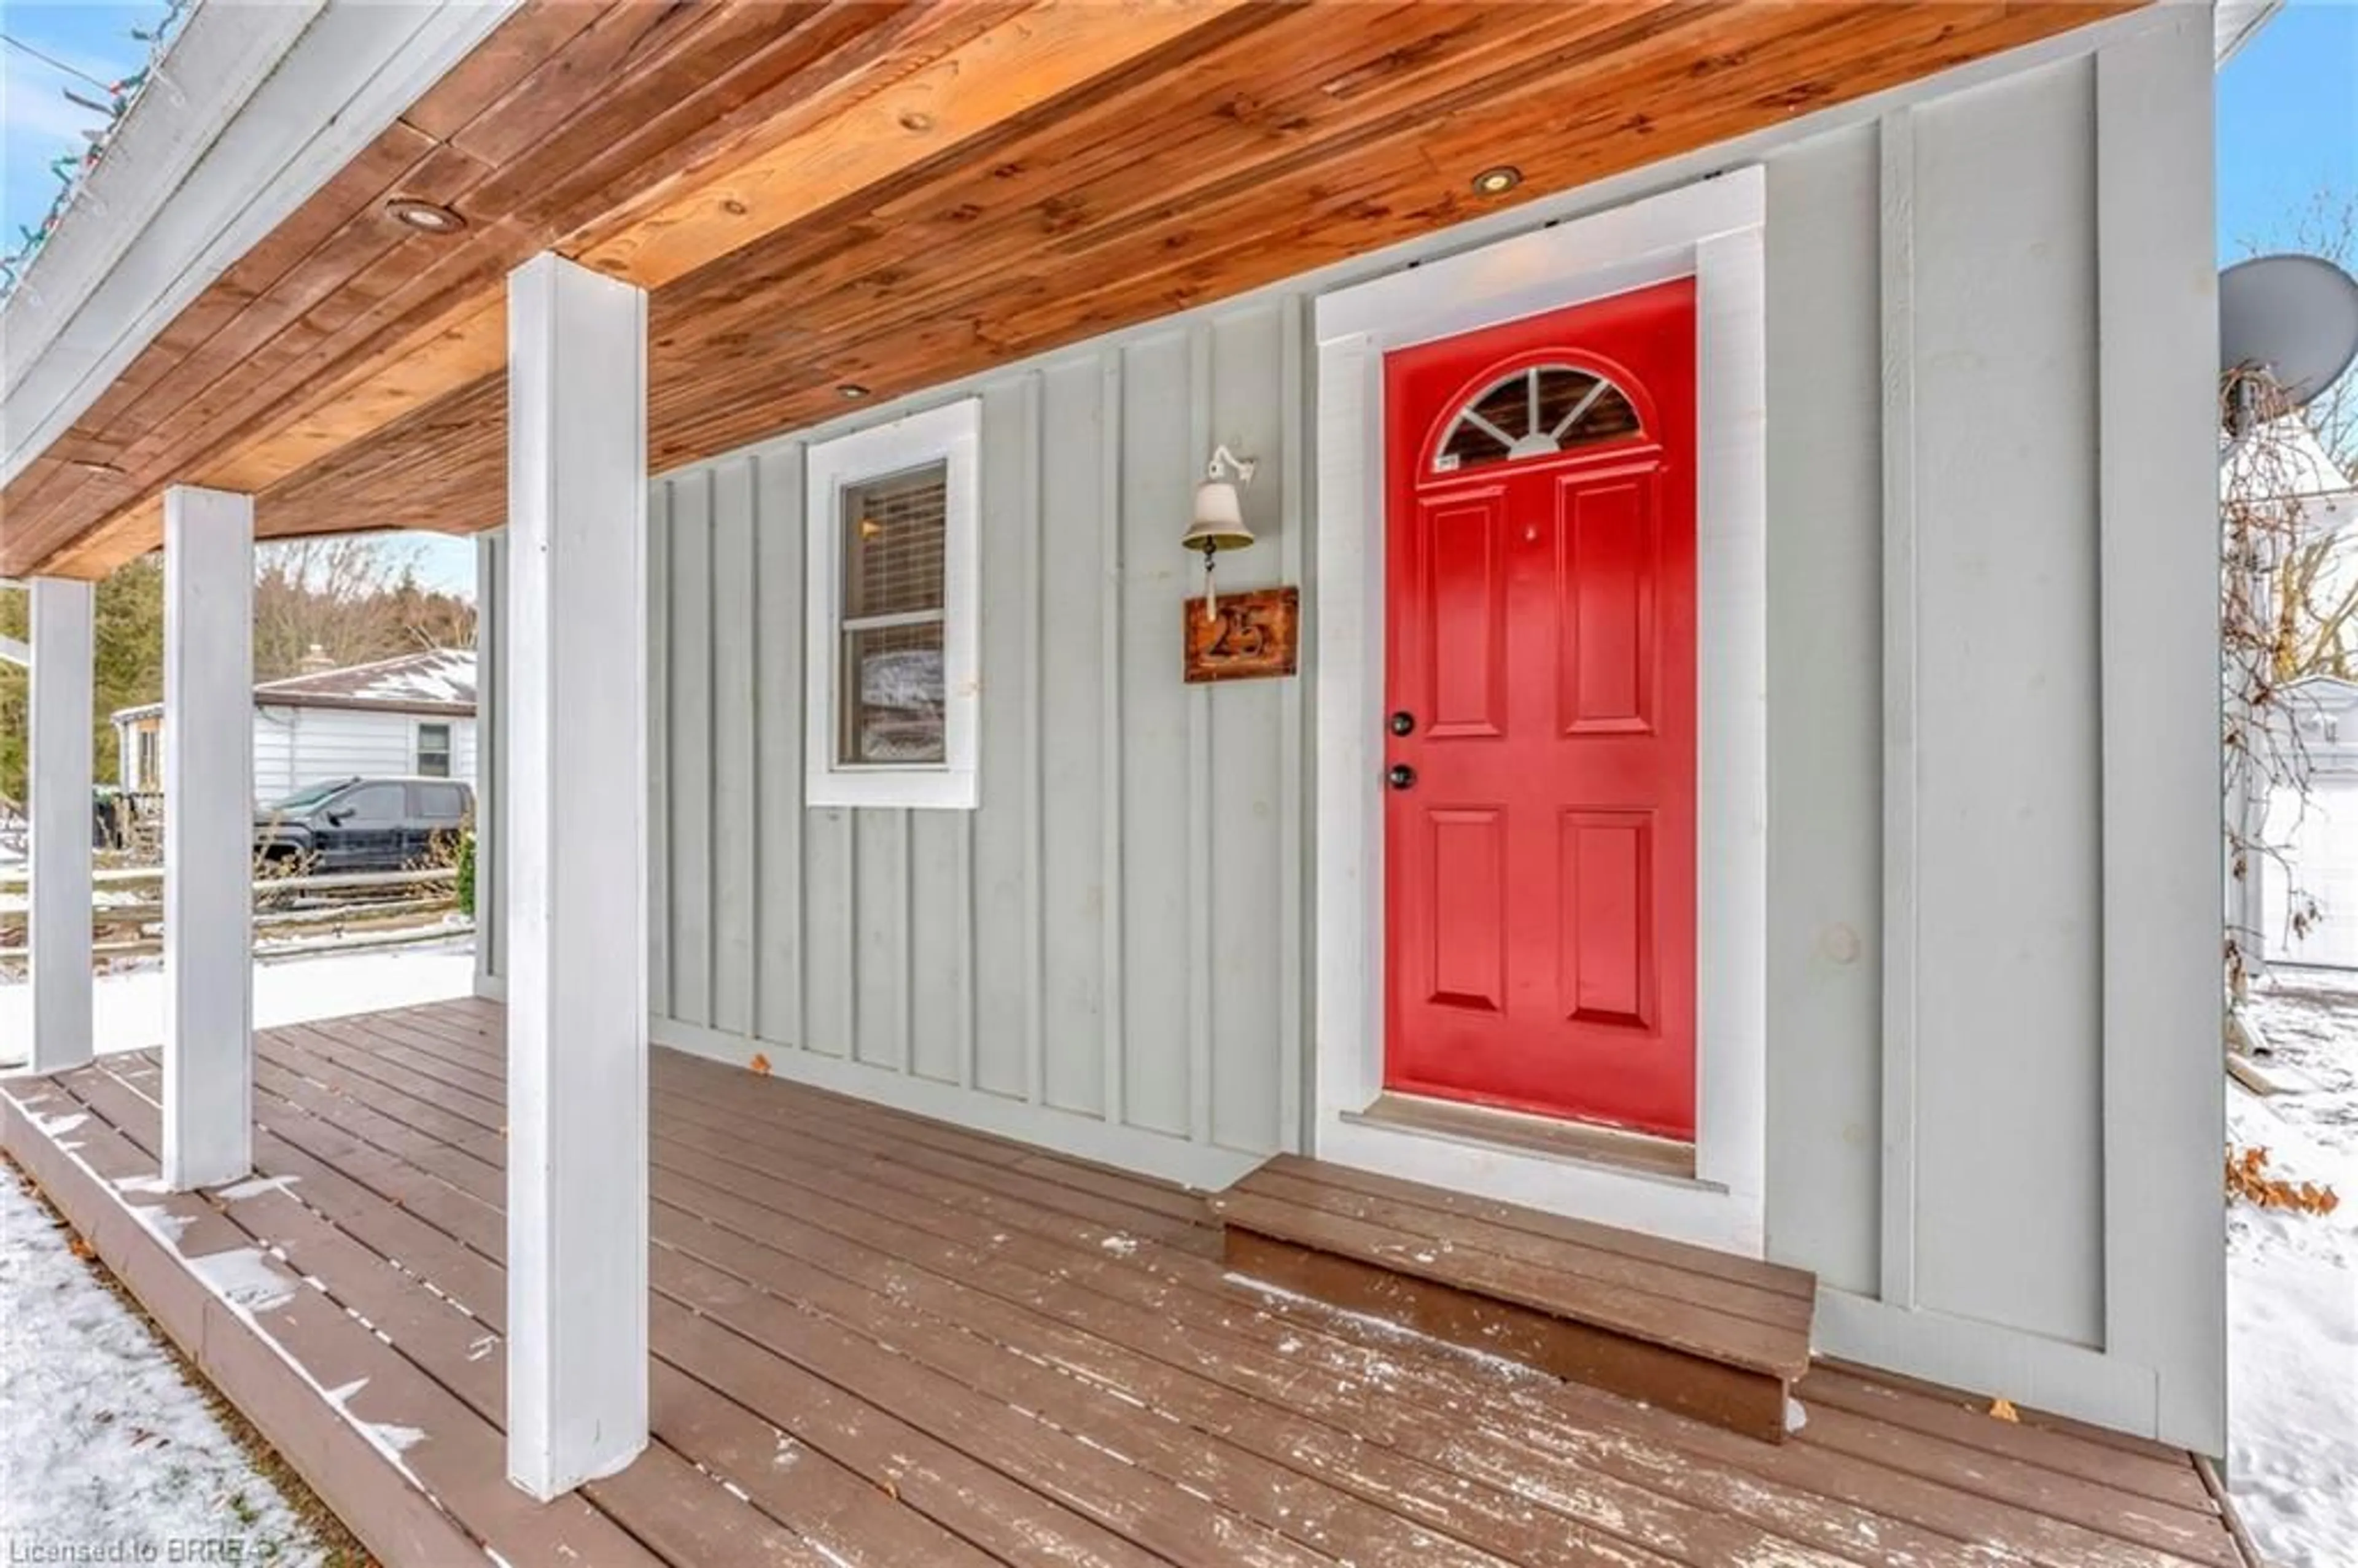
point(1535, 412)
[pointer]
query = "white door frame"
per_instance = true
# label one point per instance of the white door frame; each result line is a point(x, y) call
point(1712, 231)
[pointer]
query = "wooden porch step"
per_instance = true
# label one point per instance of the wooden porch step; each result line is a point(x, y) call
point(1718, 1337)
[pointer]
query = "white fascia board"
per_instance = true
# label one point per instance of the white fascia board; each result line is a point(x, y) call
point(259, 108)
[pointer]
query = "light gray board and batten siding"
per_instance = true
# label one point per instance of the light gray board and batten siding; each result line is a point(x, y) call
point(1104, 955)
point(1994, 1098)
point(1107, 957)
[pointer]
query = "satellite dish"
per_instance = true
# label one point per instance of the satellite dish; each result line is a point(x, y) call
point(2293, 317)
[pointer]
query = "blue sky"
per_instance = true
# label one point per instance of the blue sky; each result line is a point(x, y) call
point(38, 123)
point(2288, 130)
point(2288, 123)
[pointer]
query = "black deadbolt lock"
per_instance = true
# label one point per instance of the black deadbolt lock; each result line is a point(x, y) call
point(1403, 722)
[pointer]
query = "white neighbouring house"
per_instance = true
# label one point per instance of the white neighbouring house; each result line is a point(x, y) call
point(2318, 837)
point(2313, 856)
point(410, 716)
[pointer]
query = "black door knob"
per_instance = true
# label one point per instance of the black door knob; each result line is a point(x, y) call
point(1403, 722)
point(1400, 775)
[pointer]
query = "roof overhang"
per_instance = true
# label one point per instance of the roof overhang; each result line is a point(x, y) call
point(419, 706)
point(254, 109)
point(422, 708)
point(892, 195)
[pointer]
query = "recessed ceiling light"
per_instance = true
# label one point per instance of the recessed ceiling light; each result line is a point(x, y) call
point(1497, 181)
point(427, 216)
point(852, 390)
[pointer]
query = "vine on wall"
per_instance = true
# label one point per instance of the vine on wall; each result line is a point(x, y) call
point(2283, 616)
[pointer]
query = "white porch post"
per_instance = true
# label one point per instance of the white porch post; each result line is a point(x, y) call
point(208, 837)
point(573, 709)
point(59, 929)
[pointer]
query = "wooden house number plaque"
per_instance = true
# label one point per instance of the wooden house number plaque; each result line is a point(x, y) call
point(1254, 632)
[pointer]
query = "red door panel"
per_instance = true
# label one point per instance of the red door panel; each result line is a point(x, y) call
point(1464, 608)
point(1605, 597)
point(1539, 841)
point(1607, 923)
point(1467, 861)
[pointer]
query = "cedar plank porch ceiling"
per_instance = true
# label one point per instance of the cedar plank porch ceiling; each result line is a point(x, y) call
point(894, 195)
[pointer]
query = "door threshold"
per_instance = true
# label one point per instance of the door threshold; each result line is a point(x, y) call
point(1638, 1153)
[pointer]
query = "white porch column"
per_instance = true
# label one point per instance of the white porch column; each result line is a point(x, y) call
point(59, 781)
point(208, 837)
point(574, 714)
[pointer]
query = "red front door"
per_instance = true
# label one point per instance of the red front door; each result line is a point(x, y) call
point(1540, 824)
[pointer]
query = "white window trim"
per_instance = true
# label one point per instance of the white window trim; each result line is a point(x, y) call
point(1714, 233)
point(449, 748)
point(952, 434)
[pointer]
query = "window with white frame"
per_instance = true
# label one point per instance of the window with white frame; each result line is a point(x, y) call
point(891, 680)
point(434, 750)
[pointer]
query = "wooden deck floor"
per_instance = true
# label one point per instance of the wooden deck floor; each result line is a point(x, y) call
point(884, 1341)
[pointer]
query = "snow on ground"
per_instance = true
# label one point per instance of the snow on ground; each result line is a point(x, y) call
point(2292, 1285)
point(107, 1452)
point(129, 1008)
point(18, 898)
point(104, 1444)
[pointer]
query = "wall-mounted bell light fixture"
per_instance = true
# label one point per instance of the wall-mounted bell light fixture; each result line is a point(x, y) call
point(1219, 516)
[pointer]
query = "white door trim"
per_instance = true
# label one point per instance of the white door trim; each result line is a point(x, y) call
point(1713, 232)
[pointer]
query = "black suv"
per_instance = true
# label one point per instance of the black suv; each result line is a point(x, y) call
point(363, 825)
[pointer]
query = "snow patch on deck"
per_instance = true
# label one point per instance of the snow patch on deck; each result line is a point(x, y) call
point(391, 1438)
point(243, 1277)
point(1384, 1328)
point(255, 1186)
point(161, 1222)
